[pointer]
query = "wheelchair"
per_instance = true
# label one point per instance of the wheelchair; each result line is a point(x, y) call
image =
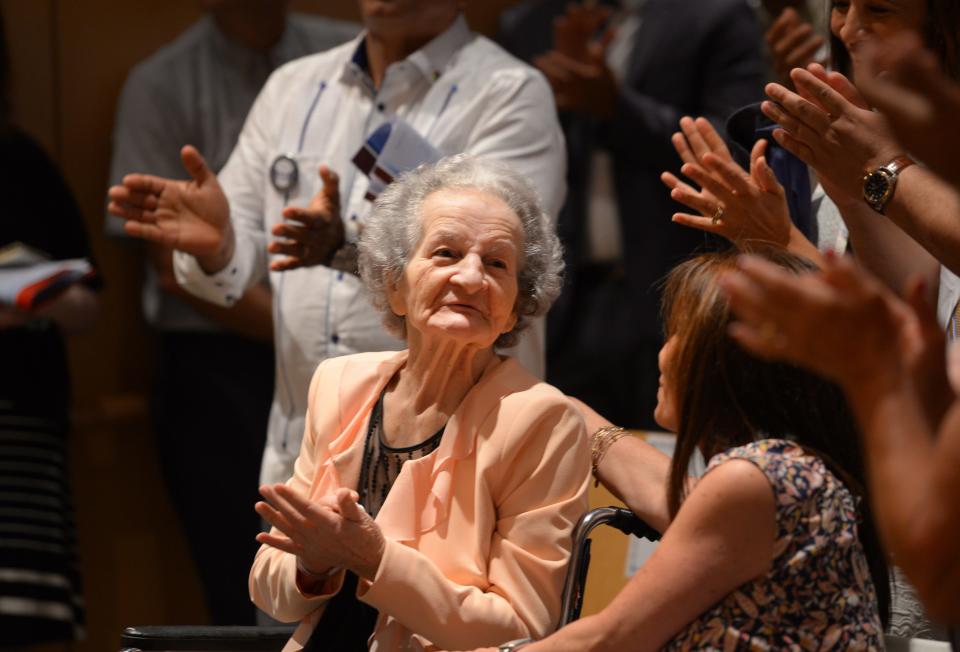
point(177, 638)
point(272, 639)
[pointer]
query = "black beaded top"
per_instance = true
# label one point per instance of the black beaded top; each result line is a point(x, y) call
point(382, 463)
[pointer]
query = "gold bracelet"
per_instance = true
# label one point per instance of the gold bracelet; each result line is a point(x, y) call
point(600, 443)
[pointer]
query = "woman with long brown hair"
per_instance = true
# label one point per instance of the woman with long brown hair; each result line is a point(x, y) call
point(774, 547)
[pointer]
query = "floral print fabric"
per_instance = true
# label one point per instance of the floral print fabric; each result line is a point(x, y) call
point(819, 594)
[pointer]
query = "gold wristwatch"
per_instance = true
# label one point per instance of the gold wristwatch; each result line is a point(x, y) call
point(879, 184)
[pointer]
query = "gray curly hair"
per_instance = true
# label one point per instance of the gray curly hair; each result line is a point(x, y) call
point(394, 229)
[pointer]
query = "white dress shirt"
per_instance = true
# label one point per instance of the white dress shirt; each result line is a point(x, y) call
point(462, 93)
point(198, 90)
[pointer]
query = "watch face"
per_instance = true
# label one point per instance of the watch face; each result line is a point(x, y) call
point(876, 186)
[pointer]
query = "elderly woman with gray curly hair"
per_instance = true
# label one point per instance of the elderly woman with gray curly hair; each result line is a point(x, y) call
point(436, 488)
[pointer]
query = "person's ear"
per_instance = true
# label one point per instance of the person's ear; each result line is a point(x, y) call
point(397, 296)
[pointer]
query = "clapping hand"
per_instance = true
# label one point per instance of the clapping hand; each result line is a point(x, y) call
point(313, 234)
point(828, 125)
point(746, 208)
point(330, 532)
point(792, 43)
point(920, 103)
point(576, 68)
point(191, 216)
point(841, 322)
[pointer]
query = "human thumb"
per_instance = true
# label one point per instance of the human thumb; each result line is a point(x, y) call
point(350, 509)
point(194, 164)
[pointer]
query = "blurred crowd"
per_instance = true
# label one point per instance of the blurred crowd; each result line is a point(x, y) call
point(754, 206)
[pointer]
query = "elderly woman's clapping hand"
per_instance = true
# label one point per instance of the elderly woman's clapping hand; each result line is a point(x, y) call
point(329, 532)
point(827, 125)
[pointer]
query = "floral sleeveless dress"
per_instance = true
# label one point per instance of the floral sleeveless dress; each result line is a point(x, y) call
point(819, 594)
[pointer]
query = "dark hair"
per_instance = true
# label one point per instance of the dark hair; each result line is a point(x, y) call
point(941, 34)
point(728, 397)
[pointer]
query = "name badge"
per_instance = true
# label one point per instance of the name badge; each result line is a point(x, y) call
point(284, 173)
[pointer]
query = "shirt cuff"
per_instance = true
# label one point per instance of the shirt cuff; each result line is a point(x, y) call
point(223, 288)
point(319, 586)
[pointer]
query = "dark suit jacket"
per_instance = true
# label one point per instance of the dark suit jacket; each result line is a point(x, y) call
point(691, 57)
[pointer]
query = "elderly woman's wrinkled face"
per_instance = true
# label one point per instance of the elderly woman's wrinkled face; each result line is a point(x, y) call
point(856, 21)
point(461, 281)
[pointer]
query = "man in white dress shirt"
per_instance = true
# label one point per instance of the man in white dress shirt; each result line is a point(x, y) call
point(213, 382)
point(417, 61)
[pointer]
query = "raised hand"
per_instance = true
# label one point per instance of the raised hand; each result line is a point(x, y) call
point(917, 99)
point(746, 208)
point(313, 234)
point(333, 531)
point(792, 43)
point(829, 126)
point(841, 322)
point(576, 68)
point(190, 216)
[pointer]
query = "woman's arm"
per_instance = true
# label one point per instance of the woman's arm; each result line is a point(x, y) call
point(846, 326)
point(636, 473)
point(276, 584)
point(632, 470)
point(829, 126)
point(722, 537)
point(915, 486)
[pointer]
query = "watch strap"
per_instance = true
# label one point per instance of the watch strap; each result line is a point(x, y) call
point(890, 171)
point(899, 164)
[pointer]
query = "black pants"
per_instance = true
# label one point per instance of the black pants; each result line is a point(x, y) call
point(210, 406)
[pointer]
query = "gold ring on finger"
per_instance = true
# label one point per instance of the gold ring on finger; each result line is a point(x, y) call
point(717, 215)
point(768, 332)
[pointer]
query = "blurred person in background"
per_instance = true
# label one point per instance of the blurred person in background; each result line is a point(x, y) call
point(40, 587)
point(290, 201)
point(215, 365)
point(623, 73)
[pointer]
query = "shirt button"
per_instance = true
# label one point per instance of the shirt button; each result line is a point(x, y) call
point(353, 217)
point(339, 276)
point(381, 107)
point(335, 338)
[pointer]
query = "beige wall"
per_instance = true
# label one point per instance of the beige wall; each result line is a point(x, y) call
point(69, 59)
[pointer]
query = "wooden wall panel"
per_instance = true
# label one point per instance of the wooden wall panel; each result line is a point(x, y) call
point(30, 32)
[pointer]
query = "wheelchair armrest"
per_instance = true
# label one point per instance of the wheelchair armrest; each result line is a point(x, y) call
point(629, 523)
point(575, 582)
point(206, 639)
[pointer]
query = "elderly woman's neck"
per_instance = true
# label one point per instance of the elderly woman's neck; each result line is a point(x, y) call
point(441, 374)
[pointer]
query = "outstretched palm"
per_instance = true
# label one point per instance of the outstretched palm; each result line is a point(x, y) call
point(191, 216)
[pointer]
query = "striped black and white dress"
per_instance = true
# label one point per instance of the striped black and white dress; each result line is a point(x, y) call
point(40, 592)
point(40, 597)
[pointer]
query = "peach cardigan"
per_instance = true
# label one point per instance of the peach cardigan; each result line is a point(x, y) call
point(478, 532)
